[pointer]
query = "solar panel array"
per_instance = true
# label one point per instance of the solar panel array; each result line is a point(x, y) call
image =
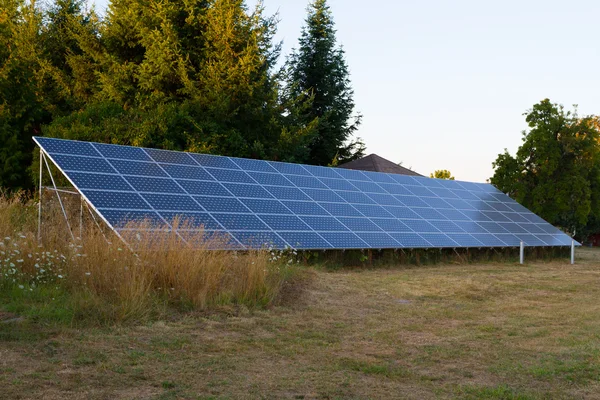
point(255, 203)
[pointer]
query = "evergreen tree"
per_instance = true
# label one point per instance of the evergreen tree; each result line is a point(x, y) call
point(556, 172)
point(318, 67)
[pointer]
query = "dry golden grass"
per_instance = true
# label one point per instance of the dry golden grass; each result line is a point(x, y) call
point(111, 283)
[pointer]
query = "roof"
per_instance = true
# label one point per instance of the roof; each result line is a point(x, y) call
point(375, 163)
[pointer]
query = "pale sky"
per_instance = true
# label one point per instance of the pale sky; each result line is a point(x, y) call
point(443, 84)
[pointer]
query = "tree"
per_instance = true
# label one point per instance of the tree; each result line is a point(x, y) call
point(318, 68)
point(442, 174)
point(556, 171)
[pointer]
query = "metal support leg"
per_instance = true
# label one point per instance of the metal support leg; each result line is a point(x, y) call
point(572, 252)
point(81, 219)
point(40, 198)
point(59, 199)
point(522, 253)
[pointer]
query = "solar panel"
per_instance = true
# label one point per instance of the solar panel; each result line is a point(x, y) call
point(251, 204)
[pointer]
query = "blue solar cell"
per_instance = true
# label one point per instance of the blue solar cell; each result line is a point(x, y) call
point(240, 222)
point(358, 224)
point(477, 205)
point(439, 240)
point(324, 224)
point(121, 218)
point(204, 188)
point(465, 240)
point(446, 226)
point(501, 197)
point(391, 225)
point(322, 172)
point(191, 220)
point(516, 207)
point(500, 206)
point(67, 147)
point(420, 191)
point(411, 201)
point(454, 215)
point(420, 226)
point(338, 184)
point(156, 185)
point(476, 215)
point(512, 227)
point(402, 179)
point(253, 165)
point(484, 196)
point(287, 193)
point(99, 181)
point(385, 199)
point(266, 206)
point(352, 174)
point(345, 240)
point(489, 240)
point(369, 210)
point(305, 240)
point(207, 160)
point(230, 175)
point(496, 216)
point(444, 193)
point(534, 218)
point(531, 240)
point(402, 212)
point(123, 200)
point(284, 222)
point(170, 157)
point(223, 204)
point(258, 240)
point(515, 217)
point(558, 240)
point(138, 168)
point(436, 202)
point(291, 169)
point(122, 152)
point(510, 239)
point(470, 186)
point(533, 228)
point(168, 202)
point(492, 227)
point(429, 182)
point(304, 207)
point(459, 204)
point(84, 164)
point(355, 197)
point(323, 195)
point(211, 240)
point(410, 240)
point(549, 229)
point(394, 188)
point(428, 213)
point(187, 172)
point(306, 181)
point(341, 209)
point(245, 190)
point(378, 240)
point(265, 178)
point(368, 187)
point(470, 227)
point(464, 194)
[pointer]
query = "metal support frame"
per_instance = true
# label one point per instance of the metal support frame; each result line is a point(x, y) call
point(572, 251)
point(40, 198)
point(57, 195)
point(522, 253)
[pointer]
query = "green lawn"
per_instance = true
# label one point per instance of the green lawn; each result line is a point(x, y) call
point(495, 331)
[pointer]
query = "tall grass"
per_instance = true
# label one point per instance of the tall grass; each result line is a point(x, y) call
point(108, 282)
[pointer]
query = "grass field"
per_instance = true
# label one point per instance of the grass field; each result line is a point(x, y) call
point(495, 331)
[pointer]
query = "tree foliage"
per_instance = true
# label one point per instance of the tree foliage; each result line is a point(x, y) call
point(442, 174)
point(556, 171)
point(318, 67)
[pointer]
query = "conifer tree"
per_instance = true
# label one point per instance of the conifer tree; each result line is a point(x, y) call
point(318, 67)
